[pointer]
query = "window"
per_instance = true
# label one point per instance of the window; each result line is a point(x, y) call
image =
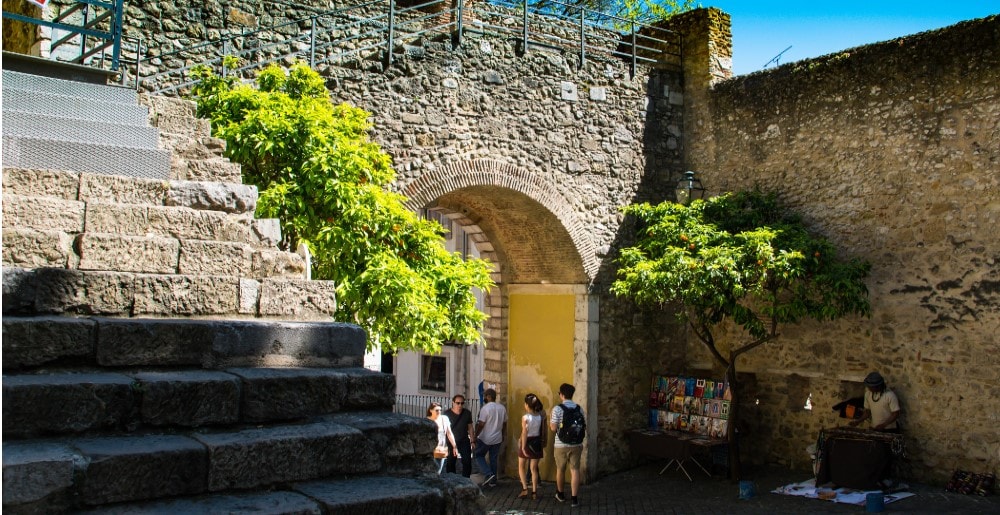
point(434, 373)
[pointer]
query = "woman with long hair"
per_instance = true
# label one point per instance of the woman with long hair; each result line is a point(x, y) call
point(532, 444)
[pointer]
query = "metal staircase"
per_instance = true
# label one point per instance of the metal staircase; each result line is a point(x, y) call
point(52, 123)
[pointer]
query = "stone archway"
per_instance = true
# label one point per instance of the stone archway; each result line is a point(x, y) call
point(544, 264)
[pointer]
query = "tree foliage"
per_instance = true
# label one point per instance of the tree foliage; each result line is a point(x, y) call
point(740, 257)
point(318, 172)
point(642, 11)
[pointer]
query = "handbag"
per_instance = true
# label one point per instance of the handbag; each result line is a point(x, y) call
point(440, 452)
point(535, 445)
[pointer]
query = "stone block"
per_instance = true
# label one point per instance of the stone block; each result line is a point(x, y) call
point(131, 468)
point(41, 183)
point(374, 495)
point(42, 213)
point(171, 295)
point(277, 264)
point(216, 258)
point(105, 217)
point(216, 169)
point(249, 297)
point(290, 393)
point(185, 223)
point(189, 398)
point(267, 231)
point(54, 290)
point(291, 453)
point(38, 476)
point(34, 249)
point(265, 503)
point(112, 252)
point(394, 435)
point(461, 495)
point(166, 342)
point(300, 300)
point(243, 343)
point(161, 105)
point(29, 342)
point(122, 190)
point(227, 197)
point(36, 405)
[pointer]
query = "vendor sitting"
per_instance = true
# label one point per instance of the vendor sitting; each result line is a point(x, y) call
point(881, 405)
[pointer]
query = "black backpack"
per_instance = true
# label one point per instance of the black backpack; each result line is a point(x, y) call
point(573, 427)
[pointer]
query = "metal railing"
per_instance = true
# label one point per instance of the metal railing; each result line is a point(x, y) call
point(82, 21)
point(373, 34)
point(416, 404)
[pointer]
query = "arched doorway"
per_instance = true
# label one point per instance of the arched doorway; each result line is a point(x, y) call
point(542, 329)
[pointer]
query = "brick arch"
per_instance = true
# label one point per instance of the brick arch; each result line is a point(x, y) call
point(485, 179)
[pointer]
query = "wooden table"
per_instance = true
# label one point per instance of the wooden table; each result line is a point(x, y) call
point(674, 446)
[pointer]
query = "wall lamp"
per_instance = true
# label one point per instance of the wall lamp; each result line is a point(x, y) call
point(689, 188)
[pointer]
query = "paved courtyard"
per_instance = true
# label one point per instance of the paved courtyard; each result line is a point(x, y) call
point(644, 491)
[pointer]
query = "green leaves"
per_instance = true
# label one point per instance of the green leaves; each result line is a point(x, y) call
point(317, 172)
point(740, 256)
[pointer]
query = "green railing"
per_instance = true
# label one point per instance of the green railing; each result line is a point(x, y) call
point(374, 34)
point(91, 29)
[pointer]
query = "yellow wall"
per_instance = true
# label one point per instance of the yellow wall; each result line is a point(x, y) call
point(541, 358)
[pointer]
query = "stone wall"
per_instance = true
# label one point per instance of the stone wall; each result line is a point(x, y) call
point(18, 36)
point(892, 151)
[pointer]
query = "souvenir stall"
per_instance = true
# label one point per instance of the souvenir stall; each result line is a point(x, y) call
point(687, 416)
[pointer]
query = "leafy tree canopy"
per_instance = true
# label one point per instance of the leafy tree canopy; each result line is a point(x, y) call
point(643, 11)
point(319, 174)
point(740, 256)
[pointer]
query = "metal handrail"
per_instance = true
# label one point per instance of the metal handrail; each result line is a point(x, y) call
point(377, 27)
point(112, 37)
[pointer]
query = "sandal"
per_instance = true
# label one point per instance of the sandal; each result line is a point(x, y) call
point(534, 496)
point(524, 494)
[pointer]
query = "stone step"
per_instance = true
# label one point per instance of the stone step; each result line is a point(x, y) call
point(34, 125)
point(31, 82)
point(34, 404)
point(446, 495)
point(41, 102)
point(151, 254)
point(71, 185)
point(53, 341)
point(89, 471)
point(44, 291)
point(46, 153)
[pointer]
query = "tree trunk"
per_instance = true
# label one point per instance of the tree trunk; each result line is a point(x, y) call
point(735, 467)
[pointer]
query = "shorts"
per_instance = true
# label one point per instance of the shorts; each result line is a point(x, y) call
point(569, 454)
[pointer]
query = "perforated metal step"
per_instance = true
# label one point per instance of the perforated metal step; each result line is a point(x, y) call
point(27, 81)
point(85, 157)
point(33, 125)
point(74, 107)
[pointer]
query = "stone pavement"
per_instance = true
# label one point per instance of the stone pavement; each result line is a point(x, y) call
point(643, 491)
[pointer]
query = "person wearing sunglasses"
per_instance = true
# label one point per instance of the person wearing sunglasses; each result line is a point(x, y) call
point(465, 436)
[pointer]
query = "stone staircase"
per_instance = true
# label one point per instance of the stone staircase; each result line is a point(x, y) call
point(161, 355)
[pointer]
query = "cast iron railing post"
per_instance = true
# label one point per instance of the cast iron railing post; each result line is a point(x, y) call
point(524, 23)
point(138, 62)
point(459, 12)
point(633, 48)
point(312, 42)
point(392, 29)
point(116, 33)
point(583, 39)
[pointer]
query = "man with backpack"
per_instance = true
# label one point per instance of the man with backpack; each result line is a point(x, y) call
point(568, 424)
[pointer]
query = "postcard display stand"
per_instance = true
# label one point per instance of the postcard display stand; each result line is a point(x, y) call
point(690, 404)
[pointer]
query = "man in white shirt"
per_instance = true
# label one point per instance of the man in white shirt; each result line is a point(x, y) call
point(490, 430)
point(881, 405)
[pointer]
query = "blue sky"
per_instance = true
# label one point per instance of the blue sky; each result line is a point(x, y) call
point(763, 28)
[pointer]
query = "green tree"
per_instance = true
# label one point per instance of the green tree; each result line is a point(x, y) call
point(318, 172)
point(740, 258)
